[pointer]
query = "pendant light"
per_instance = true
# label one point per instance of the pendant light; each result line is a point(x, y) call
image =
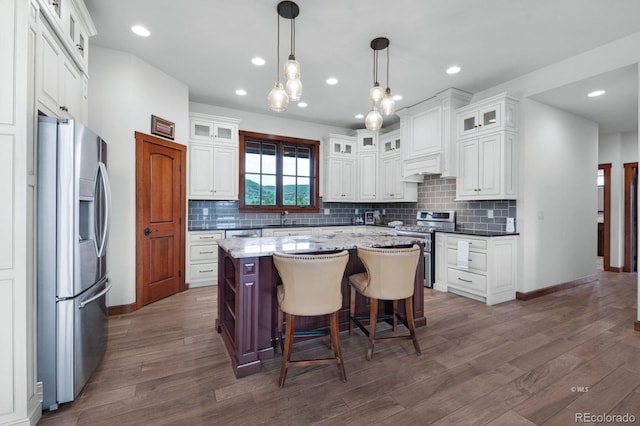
point(387, 104)
point(373, 121)
point(290, 10)
point(278, 99)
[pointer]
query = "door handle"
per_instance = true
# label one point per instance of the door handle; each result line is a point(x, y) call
point(147, 231)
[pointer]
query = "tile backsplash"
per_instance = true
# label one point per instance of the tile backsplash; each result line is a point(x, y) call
point(435, 193)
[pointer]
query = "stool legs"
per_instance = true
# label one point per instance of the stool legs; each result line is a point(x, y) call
point(408, 308)
point(373, 321)
point(335, 344)
point(288, 349)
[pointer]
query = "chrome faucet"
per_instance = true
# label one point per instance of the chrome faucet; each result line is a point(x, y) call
point(282, 217)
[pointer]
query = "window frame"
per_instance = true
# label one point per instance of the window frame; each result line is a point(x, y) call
point(314, 193)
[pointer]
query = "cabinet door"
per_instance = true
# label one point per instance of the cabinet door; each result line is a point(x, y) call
point(425, 133)
point(490, 118)
point(392, 184)
point(391, 144)
point(342, 148)
point(71, 89)
point(200, 171)
point(367, 141)
point(489, 164)
point(201, 130)
point(48, 71)
point(225, 133)
point(467, 124)
point(341, 178)
point(225, 173)
point(467, 181)
point(367, 176)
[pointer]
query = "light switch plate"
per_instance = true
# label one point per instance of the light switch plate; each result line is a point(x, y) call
point(327, 211)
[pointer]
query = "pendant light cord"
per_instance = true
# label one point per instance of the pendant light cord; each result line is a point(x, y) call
point(388, 66)
point(278, 51)
point(293, 34)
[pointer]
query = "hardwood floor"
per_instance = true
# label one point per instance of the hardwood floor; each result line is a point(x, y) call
point(540, 362)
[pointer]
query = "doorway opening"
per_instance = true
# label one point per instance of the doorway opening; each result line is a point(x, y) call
point(630, 217)
point(604, 212)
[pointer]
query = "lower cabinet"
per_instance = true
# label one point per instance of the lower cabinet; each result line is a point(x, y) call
point(487, 274)
point(202, 258)
point(284, 232)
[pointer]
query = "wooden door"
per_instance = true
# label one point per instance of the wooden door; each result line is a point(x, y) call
point(160, 207)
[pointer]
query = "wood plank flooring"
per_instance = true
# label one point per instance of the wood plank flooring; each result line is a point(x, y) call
point(539, 362)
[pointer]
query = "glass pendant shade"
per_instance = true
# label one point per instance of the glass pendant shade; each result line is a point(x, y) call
point(373, 121)
point(376, 93)
point(292, 68)
point(294, 89)
point(387, 104)
point(278, 99)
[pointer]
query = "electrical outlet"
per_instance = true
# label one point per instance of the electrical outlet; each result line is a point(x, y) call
point(205, 211)
point(384, 211)
point(356, 212)
point(327, 211)
point(490, 214)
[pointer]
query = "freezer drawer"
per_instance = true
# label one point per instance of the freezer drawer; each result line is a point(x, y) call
point(81, 341)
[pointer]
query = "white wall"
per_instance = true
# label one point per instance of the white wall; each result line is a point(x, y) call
point(617, 149)
point(123, 94)
point(557, 204)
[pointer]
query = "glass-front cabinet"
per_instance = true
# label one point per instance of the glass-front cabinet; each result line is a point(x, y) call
point(488, 118)
point(391, 143)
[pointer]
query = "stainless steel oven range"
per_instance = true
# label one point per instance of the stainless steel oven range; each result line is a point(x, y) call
point(427, 222)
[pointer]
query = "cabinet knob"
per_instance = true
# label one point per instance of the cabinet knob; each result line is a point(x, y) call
point(64, 108)
point(55, 3)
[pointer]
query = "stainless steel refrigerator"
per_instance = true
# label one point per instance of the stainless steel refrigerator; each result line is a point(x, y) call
point(73, 230)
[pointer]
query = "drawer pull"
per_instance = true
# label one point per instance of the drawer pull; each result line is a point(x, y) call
point(206, 270)
point(248, 284)
point(206, 252)
point(466, 281)
point(249, 265)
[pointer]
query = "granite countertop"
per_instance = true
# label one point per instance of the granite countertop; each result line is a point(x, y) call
point(266, 246)
point(481, 233)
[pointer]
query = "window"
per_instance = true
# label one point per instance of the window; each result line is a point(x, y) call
point(278, 173)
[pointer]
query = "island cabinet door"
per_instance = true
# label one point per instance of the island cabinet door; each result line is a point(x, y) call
point(247, 310)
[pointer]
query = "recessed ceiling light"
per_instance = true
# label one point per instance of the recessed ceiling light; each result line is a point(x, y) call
point(302, 104)
point(140, 30)
point(454, 69)
point(397, 97)
point(596, 93)
point(241, 92)
point(331, 81)
point(258, 61)
point(359, 116)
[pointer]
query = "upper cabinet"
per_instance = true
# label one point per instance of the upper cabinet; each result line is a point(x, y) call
point(486, 117)
point(61, 60)
point(426, 129)
point(487, 149)
point(338, 168)
point(367, 140)
point(213, 158)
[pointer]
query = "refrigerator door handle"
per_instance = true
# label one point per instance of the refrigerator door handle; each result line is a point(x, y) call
point(107, 217)
point(97, 296)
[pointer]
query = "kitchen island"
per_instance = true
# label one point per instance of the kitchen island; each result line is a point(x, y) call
point(247, 303)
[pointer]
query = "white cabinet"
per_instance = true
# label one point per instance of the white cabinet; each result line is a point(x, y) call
point(390, 143)
point(70, 21)
point(490, 273)
point(486, 156)
point(285, 232)
point(60, 85)
point(332, 230)
point(367, 176)
point(428, 135)
point(202, 258)
point(496, 113)
point(394, 188)
point(367, 140)
point(207, 129)
point(213, 158)
point(339, 168)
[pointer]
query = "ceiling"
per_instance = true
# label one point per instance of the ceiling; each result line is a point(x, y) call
point(209, 44)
